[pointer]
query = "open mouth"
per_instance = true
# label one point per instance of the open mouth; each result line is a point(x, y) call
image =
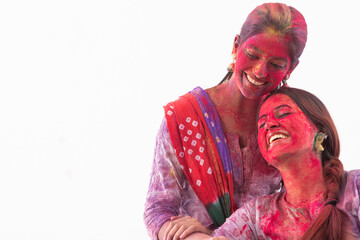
point(254, 81)
point(276, 137)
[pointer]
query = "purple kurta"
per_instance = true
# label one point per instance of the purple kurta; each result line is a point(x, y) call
point(252, 220)
point(170, 194)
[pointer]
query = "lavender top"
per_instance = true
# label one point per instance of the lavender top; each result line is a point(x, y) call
point(170, 194)
point(255, 219)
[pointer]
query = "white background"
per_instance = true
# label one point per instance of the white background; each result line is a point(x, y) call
point(82, 85)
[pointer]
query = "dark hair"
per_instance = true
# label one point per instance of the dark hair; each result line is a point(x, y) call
point(279, 19)
point(329, 224)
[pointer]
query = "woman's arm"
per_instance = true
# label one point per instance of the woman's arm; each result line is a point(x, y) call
point(165, 194)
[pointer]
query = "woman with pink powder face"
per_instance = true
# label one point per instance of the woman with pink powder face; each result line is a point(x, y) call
point(207, 162)
point(297, 135)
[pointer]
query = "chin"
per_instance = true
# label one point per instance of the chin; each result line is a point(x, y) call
point(250, 93)
point(278, 155)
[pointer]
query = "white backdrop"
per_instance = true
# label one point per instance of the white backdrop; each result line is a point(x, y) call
point(82, 85)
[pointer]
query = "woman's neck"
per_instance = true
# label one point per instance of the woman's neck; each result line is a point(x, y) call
point(304, 185)
point(237, 113)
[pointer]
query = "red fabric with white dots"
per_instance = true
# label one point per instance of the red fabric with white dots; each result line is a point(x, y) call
point(196, 149)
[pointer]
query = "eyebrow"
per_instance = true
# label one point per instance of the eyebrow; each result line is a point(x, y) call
point(281, 106)
point(284, 105)
point(258, 50)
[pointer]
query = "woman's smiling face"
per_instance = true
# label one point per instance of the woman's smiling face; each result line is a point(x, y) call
point(283, 130)
point(262, 62)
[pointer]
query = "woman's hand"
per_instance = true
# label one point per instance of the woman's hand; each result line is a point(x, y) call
point(180, 227)
point(218, 238)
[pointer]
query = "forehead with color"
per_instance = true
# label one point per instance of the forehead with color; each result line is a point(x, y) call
point(275, 101)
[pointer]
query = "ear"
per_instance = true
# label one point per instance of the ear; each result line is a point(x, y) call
point(294, 65)
point(236, 45)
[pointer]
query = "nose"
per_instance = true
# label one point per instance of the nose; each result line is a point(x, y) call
point(271, 124)
point(260, 70)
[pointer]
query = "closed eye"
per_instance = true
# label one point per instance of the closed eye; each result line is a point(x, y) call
point(251, 55)
point(261, 124)
point(284, 115)
point(278, 66)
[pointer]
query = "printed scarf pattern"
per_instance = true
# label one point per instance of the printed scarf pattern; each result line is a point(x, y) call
point(201, 149)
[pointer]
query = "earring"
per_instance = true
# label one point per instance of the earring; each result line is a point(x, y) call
point(286, 77)
point(230, 68)
point(319, 138)
point(284, 83)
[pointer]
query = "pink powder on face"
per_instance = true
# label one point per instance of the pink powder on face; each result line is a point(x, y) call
point(279, 115)
point(262, 62)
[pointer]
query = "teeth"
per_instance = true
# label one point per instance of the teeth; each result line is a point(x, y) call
point(253, 81)
point(275, 137)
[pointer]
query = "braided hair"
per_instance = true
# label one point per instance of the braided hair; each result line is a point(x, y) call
point(329, 225)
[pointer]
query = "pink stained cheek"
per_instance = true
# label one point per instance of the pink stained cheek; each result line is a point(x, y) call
point(262, 142)
point(277, 76)
point(301, 131)
point(304, 130)
point(242, 61)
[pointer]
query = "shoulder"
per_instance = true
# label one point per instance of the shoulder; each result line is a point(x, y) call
point(255, 208)
point(349, 193)
point(176, 109)
point(353, 174)
point(260, 205)
point(163, 132)
point(244, 222)
point(351, 181)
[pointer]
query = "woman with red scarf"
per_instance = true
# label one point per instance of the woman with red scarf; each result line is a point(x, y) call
point(207, 162)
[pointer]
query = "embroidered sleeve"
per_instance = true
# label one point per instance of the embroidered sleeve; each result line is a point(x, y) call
point(164, 193)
